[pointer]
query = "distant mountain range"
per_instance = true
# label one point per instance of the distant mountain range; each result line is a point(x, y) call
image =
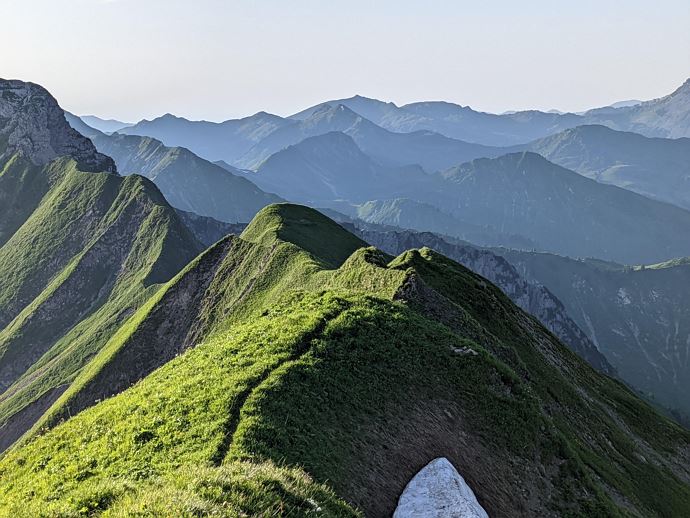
point(430, 150)
point(655, 167)
point(668, 116)
point(105, 125)
point(424, 217)
point(188, 182)
point(454, 121)
point(332, 167)
point(294, 369)
point(564, 212)
point(226, 141)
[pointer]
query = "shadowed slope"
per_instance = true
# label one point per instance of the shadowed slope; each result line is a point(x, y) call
point(360, 371)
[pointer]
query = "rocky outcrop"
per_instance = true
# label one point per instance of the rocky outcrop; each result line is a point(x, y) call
point(439, 491)
point(531, 297)
point(34, 126)
point(208, 230)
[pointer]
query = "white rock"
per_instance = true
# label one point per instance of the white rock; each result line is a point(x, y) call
point(438, 491)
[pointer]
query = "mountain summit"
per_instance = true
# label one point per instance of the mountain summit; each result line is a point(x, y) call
point(33, 125)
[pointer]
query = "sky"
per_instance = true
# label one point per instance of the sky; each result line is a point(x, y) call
point(221, 59)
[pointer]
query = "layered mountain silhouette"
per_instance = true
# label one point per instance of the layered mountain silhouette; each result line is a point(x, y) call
point(188, 182)
point(332, 167)
point(564, 212)
point(655, 167)
point(213, 141)
point(105, 125)
point(668, 116)
point(430, 150)
point(294, 369)
point(424, 217)
point(454, 121)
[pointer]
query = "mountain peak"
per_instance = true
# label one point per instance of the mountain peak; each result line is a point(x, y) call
point(33, 125)
point(684, 88)
point(305, 227)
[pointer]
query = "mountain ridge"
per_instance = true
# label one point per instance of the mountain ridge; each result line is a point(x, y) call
point(294, 379)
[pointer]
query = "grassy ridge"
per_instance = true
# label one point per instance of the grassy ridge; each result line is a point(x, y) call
point(334, 370)
point(308, 367)
point(93, 248)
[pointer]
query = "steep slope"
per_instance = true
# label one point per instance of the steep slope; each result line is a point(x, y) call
point(291, 369)
point(188, 182)
point(430, 150)
point(208, 230)
point(332, 167)
point(79, 252)
point(654, 167)
point(639, 317)
point(668, 116)
point(213, 141)
point(33, 126)
point(564, 212)
point(535, 299)
point(531, 297)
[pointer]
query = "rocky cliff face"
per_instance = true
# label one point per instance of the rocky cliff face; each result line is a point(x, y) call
point(639, 317)
point(33, 125)
point(531, 297)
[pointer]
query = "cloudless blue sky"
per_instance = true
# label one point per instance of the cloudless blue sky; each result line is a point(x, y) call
point(218, 59)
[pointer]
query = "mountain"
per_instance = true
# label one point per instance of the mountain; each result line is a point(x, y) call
point(80, 251)
point(625, 104)
point(332, 167)
point(104, 125)
point(292, 400)
point(33, 127)
point(638, 317)
point(213, 141)
point(564, 212)
point(535, 299)
point(424, 217)
point(454, 121)
point(427, 149)
point(654, 167)
point(208, 230)
point(188, 182)
point(464, 123)
point(667, 117)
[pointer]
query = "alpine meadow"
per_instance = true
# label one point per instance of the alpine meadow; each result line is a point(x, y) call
point(231, 288)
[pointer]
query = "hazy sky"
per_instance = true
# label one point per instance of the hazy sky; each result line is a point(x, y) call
point(219, 59)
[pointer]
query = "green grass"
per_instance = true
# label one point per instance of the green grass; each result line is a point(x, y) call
point(92, 250)
point(310, 381)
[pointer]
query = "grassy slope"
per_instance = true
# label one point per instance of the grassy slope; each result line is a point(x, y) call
point(356, 390)
point(94, 248)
